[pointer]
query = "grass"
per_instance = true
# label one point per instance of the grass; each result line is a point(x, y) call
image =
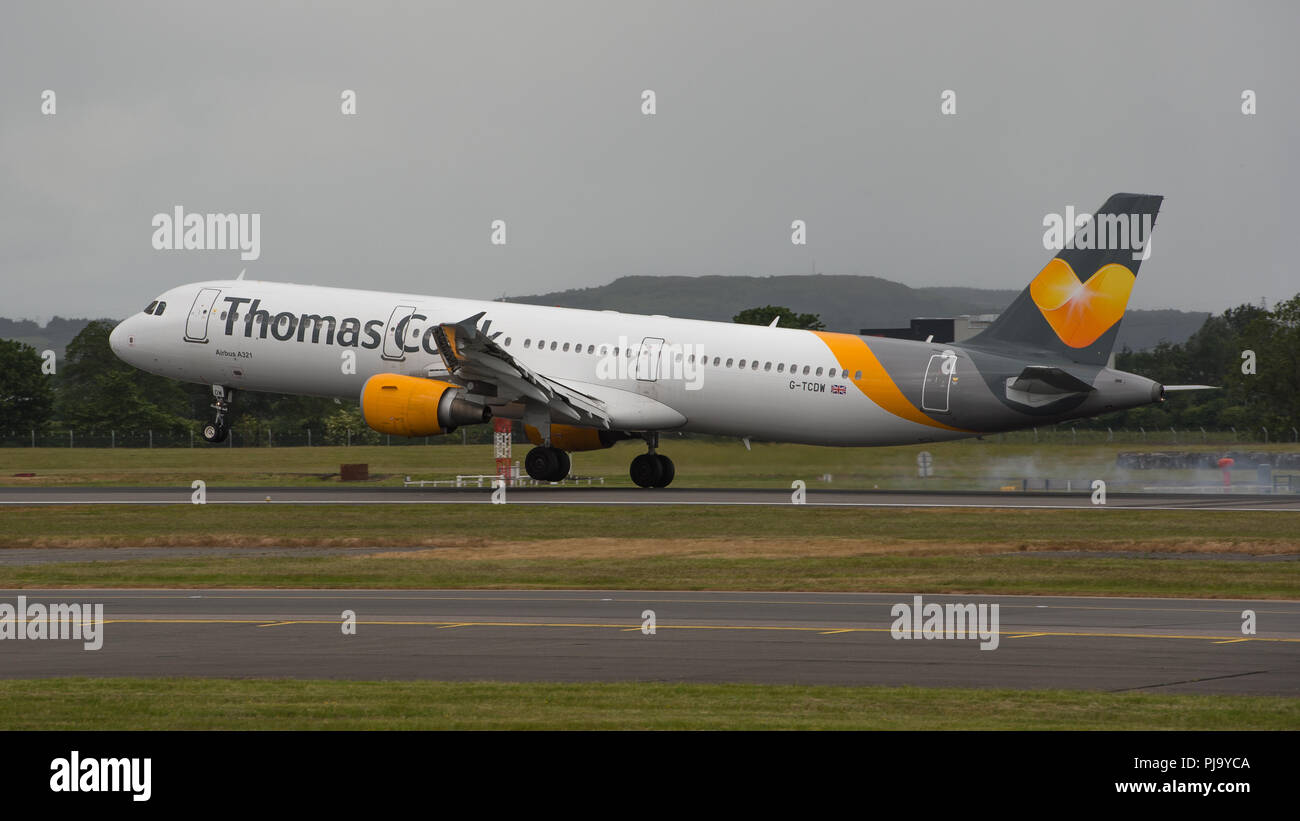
point(981, 574)
point(693, 548)
point(259, 704)
point(969, 464)
point(433, 525)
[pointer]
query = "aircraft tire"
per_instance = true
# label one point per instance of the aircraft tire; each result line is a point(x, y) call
point(646, 470)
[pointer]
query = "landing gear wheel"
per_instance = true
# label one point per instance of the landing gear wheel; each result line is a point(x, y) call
point(666, 471)
point(540, 463)
point(647, 470)
point(214, 433)
point(547, 464)
point(563, 466)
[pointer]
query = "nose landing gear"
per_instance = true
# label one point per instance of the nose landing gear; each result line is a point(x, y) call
point(219, 428)
point(652, 469)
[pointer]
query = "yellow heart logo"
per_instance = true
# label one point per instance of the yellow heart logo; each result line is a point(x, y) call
point(1080, 312)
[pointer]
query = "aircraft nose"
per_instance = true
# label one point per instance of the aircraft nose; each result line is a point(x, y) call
point(119, 339)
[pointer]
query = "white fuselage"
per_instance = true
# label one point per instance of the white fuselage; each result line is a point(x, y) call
point(196, 339)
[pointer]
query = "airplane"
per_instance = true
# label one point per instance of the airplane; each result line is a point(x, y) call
point(583, 380)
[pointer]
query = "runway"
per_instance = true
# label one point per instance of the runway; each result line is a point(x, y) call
point(558, 495)
point(1112, 644)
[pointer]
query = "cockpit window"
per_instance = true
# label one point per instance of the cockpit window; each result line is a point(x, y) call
point(161, 307)
point(152, 305)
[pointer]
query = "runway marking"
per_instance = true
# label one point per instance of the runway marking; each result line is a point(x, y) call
point(624, 627)
point(1083, 504)
point(1027, 636)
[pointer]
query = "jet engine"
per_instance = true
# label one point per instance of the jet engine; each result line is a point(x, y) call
point(411, 406)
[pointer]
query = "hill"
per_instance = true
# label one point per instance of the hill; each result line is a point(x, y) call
point(54, 335)
point(844, 302)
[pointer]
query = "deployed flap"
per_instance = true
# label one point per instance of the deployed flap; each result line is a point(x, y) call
point(471, 354)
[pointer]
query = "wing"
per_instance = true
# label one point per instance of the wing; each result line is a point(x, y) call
point(471, 354)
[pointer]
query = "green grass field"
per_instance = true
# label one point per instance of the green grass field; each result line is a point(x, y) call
point(973, 464)
point(719, 548)
point(226, 704)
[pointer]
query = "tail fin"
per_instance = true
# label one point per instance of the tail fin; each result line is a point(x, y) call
point(1072, 309)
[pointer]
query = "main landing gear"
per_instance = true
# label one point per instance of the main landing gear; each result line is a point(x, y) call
point(219, 428)
point(547, 464)
point(652, 469)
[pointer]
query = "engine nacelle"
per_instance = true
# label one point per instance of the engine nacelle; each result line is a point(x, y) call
point(411, 406)
point(571, 438)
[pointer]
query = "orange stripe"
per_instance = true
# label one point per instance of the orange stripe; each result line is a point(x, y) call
point(853, 353)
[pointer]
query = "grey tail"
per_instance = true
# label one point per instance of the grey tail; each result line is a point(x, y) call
point(1071, 311)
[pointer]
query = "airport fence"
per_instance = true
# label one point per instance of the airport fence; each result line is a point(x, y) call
point(261, 437)
point(271, 436)
point(1069, 435)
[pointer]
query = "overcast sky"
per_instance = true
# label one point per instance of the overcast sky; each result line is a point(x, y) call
point(530, 112)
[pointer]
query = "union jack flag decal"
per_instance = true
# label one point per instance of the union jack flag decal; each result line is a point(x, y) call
point(840, 389)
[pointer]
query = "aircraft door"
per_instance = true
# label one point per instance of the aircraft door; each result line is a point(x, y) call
point(940, 374)
point(196, 325)
point(398, 322)
point(647, 359)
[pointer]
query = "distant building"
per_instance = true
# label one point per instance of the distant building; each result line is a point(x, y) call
point(942, 329)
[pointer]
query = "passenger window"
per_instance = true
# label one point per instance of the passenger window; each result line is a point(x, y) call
point(857, 376)
point(528, 343)
point(753, 366)
point(819, 372)
point(716, 360)
point(729, 361)
point(767, 366)
point(507, 342)
point(742, 364)
point(780, 367)
point(805, 370)
point(554, 343)
point(566, 347)
point(591, 349)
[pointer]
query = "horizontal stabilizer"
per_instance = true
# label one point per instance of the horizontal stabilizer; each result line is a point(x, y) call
point(1191, 387)
point(1039, 385)
point(1045, 379)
